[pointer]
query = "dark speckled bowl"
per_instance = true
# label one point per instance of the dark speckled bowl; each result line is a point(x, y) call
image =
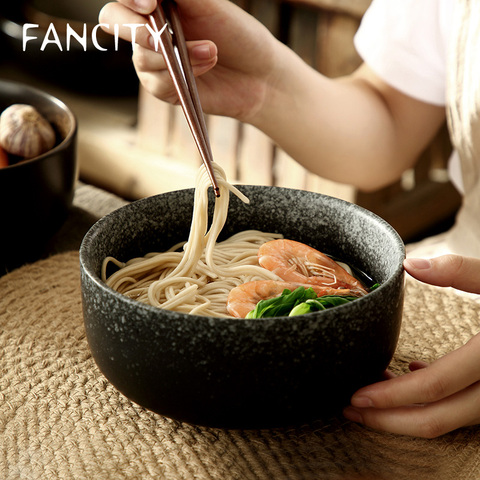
point(237, 372)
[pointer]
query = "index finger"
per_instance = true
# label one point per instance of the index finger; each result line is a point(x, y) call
point(128, 22)
point(455, 271)
point(442, 378)
point(429, 421)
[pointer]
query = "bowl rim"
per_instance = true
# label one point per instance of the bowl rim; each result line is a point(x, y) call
point(176, 316)
point(54, 101)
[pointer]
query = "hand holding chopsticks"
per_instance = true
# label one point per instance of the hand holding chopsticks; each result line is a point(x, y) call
point(166, 21)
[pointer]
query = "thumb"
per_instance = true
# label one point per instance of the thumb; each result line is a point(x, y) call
point(455, 271)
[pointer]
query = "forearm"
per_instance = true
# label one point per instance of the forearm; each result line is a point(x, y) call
point(355, 130)
point(348, 130)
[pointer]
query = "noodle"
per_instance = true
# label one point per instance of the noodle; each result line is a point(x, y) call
point(197, 279)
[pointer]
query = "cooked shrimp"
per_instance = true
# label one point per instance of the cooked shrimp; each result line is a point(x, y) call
point(244, 298)
point(296, 262)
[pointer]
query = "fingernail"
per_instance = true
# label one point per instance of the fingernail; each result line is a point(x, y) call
point(418, 263)
point(143, 5)
point(353, 415)
point(361, 402)
point(202, 52)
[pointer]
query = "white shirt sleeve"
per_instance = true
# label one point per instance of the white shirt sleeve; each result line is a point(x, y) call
point(405, 42)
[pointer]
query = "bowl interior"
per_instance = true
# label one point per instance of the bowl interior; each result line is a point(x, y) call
point(343, 230)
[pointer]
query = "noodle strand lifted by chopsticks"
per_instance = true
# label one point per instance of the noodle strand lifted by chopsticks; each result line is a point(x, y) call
point(197, 279)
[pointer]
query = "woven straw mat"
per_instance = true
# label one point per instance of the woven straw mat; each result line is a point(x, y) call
point(61, 419)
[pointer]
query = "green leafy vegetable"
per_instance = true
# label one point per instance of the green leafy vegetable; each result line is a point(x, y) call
point(321, 303)
point(282, 305)
point(302, 308)
point(302, 300)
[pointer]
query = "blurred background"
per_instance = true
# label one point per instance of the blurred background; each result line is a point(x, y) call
point(133, 145)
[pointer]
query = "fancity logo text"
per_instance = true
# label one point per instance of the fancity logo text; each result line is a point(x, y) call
point(51, 37)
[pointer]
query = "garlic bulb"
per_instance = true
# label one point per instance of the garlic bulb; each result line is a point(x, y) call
point(25, 132)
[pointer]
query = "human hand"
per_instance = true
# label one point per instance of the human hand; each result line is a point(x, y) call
point(431, 399)
point(244, 72)
point(232, 54)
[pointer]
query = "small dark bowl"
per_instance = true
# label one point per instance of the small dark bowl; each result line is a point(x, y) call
point(238, 372)
point(35, 194)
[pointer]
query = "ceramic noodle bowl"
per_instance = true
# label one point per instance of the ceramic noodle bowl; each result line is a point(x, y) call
point(245, 373)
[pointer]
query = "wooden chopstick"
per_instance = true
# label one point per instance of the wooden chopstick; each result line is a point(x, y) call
point(183, 79)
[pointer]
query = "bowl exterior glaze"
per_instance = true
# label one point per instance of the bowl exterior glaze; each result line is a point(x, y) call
point(36, 194)
point(239, 372)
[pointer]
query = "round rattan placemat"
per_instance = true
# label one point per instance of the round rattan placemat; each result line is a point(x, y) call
point(61, 419)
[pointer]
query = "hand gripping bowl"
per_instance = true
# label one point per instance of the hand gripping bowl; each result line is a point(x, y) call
point(241, 373)
point(36, 194)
